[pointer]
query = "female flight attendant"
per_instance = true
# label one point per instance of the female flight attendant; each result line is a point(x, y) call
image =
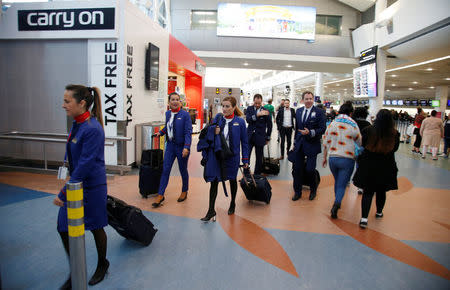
point(235, 132)
point(85, 152)
point(178, 130)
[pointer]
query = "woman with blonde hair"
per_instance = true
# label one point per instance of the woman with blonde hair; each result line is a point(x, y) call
point(432, 130)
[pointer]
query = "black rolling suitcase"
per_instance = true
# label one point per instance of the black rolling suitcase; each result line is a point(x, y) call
point(256, 187)
point(306, 178)
point(129, 221)
point(270, 165)
point(150, 171)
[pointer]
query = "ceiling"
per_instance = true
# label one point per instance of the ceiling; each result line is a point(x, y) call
point(361, 5)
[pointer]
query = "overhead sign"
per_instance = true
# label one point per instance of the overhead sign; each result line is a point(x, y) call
point(66, 19)
point(368, 56)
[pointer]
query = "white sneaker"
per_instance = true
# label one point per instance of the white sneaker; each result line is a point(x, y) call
point(423, 156)
point(442, 155)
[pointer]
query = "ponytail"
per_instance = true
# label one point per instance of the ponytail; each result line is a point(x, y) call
point(91, 95)
point(97, 108)
point(238, 112)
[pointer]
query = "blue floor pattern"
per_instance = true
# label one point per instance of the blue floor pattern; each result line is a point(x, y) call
point(188, 254)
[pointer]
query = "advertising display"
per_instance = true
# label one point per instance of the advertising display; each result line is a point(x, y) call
point(435, 103)
point(365, 81)
point(273, 21)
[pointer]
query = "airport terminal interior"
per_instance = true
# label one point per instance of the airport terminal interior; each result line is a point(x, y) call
point(378, 54)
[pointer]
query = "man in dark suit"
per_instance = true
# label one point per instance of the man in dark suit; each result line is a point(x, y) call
point(285, 123)
point(258, 130)
point(310, 126)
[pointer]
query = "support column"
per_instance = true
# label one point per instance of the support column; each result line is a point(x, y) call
point(318, 90)
point(376, 104)
point(442, 96)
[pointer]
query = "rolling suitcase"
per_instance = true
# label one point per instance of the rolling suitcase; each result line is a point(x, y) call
point(150, 171)
point(256, 187)
point(270, 165)
point(129, 221)
point(306, 178)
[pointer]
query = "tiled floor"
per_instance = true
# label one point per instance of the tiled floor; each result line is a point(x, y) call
point(283, 245)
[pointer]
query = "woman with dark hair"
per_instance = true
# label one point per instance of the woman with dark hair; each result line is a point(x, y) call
point(432, 130)
point(178, 144)
point(420, 116)
point(234, 131)
point(85, 152)
point(360, 116)
point(377, 169)
point(340, 140)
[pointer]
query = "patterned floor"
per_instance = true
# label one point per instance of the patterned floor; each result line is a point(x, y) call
point(283, 245)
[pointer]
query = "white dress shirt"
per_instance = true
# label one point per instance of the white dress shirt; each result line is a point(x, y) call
point(225, 130)
point(170, 125)
point(287, 118)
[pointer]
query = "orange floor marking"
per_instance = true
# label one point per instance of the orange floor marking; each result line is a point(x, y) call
point(392, 248)
point(256, 240)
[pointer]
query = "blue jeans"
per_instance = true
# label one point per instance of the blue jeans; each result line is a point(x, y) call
point(342, 169)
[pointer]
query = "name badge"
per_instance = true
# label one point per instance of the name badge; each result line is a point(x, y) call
point(74, 140)
point(62, 172)
point(313, 114)
point(179, 118)
point(235, 124)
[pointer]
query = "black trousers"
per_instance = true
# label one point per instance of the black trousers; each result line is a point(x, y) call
point(418, 139)
point(366, 201)
point(285, 133)
point(259, 156)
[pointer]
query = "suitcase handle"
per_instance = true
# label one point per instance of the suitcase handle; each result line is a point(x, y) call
point(251, 175)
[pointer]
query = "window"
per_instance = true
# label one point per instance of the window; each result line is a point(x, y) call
point(328, 24)
point(203, 19)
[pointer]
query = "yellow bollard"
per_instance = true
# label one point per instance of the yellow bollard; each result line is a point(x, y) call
point(75, 219)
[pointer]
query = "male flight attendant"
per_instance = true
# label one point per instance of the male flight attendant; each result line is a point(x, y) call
point(258, 130)
point(310, 125)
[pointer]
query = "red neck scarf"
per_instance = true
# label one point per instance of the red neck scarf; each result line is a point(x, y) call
point(83, 117)
point(176, 110)
point(230, 116)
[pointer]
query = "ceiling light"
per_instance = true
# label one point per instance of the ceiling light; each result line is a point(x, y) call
point(429, 69)
point(393, 85)
point(410, 89)
point(415, 83)
point(334, 90)
point(394, 76)
point(337, 85)
point(289, 66)
point(447, 79)
point(245, 63)
point(420, 63)
point(431, 87)
point(388, 90)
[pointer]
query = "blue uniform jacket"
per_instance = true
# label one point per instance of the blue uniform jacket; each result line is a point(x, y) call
point(182, 128)
point(316, 124)
point(258, 127)
point(85, 153)
point(211, 145)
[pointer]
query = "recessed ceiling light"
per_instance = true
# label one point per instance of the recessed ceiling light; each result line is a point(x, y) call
point(415, 83)
point(334, 90)
point(388, 90)
point(431, 87)
point(394, 76)
point(447, 79)
point(245, 63)
point(338, 85)
point(410, 89)
point(393, 85)
point(289, 65)
point(429, 69)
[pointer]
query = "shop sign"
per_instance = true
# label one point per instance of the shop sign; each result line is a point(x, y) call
point(66, 19)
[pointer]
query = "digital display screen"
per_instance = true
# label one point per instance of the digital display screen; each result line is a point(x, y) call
point(407, 103)
point(384, 102)
point(365, 81)
point(260, 20)
point(435, 103)
point(448, 103)
point(400, 102)
point(394, 102)
point(424, 103)
point(388, 102)
point(414, 103)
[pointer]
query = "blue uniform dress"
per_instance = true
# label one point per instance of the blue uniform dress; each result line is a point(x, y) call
point(85, 152)
point(182, 136)
point(237, 139)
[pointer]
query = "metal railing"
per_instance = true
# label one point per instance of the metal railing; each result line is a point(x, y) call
point(45, 138)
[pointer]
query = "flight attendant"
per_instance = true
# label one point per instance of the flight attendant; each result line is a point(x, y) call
point(85, 153)
point(178, 130)
point(233, 128)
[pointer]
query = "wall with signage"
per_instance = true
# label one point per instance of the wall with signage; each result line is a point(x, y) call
point(111, 51)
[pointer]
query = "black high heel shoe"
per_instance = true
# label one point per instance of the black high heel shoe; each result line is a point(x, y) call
point(67, 285)
point(157, 204)
point(209, 215)
point(100, 273)
point(231, 209)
